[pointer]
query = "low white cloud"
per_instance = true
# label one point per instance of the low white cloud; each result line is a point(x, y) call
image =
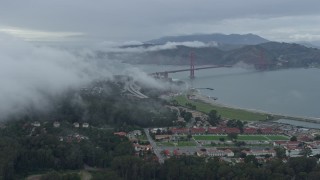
point(275, 28)
point(173, 45)
point(28, 74)
point(128, 43)
point(116, 47)
point(36, 35)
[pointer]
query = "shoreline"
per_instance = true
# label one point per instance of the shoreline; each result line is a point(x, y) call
point(276, 116)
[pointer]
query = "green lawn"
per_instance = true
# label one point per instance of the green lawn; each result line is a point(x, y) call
point(143, 137)
point(242, 137)
point(251, 138)
point(210, 137)
point(180, 143)
point(186, 143)
point(277, 138)
point(225, 112)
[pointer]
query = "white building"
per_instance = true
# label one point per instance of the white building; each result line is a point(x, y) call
point(85, 125)
point(36, 124)
point(219, 153)
point(137, 132)
point(260, 152)
point(76, 125)
point(56, 124)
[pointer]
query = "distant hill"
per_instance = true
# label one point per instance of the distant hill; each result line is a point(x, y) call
point(270, 53)
point(245, 39)
point(310, 44)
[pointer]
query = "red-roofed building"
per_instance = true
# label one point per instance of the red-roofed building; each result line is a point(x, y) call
point(166, 152)
point(198, 130)
point(162, 137)
point(287, 144)
point(120, 133)
point(250, 131)
point(215, 130)
point(232, 130)
point(180, 130)
point(267, 131)
point(176, 152)
point(304, 138)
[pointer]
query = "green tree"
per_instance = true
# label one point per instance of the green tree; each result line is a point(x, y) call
point(53, 175)
point(306, 151)
point(280, 152)
point(293, 138)
point(317, 137)
point(213, 118)
point(187, 117)
point(127, 167)
point(189, 136)
point(124, 148)
point(315, 175)
point(251, 159)
point(233, 136)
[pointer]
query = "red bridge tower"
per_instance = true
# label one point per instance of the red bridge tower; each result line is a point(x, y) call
point(191, 65)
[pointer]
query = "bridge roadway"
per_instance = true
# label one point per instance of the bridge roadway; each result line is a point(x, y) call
point(135, 92)
point(182, 70)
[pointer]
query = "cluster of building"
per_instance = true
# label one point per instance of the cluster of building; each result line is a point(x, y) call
point(57, 124)
point(84, 125)
point(73, 138)
point(217, 130)
point(295, 148)
point(133, 136)
point(214, 152)
point(69, 138)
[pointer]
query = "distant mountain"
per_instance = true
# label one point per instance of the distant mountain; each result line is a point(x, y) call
point(310, 44)
point(271, 54)
point(233, 39)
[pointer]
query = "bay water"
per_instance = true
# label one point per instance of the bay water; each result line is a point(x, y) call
point(294, 92)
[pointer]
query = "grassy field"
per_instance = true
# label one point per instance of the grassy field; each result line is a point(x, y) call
point(242, 137)
point(180, 143)
point(277, 138)
point(210, 137)
point(225, 112)
point(252, 138)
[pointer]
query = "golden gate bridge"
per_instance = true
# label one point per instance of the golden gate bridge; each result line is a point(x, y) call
point(165, 74)
point(262, 65)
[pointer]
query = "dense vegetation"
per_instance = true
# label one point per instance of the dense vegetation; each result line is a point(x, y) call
point(199, 168)
point(268, 54)
point(111, 107)
point(25, 148)
point(21, 154)
point(61, 152)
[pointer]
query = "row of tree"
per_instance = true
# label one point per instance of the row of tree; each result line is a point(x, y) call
point(21, 155)
point(187, 167)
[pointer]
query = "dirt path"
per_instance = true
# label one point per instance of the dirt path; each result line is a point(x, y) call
point(34, 177)
point(85, 175)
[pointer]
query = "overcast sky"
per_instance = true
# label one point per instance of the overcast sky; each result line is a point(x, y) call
point(141, 20)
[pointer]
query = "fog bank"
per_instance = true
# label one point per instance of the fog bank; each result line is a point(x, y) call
point(28, 74)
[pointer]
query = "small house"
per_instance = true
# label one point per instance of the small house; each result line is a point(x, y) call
point(56, 124)
point(76, 125)
point(36, 124)
point(85, 125)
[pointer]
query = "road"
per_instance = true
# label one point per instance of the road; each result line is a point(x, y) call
point(156, 149)
point(130, 87)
